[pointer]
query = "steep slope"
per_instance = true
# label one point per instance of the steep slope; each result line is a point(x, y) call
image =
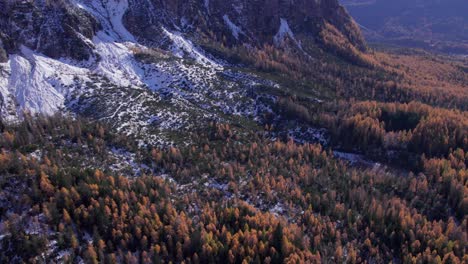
point(137, 65)
point(60, 28)
point(240, 181)
point(54, 28)
point(240, 20)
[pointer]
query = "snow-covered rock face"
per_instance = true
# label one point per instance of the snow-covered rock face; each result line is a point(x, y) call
point(283, 32)
point(36, 83)
point(140, 90)
point(241, 21)
point(135, 63)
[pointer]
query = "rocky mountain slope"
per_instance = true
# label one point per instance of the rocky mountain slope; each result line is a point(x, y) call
point(59, 28)
point(137, 63)
point(251, 22)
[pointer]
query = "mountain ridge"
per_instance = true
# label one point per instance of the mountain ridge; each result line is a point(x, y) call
point(82, 55)
point(439, 26)
point(56, 28)
point(305, 17)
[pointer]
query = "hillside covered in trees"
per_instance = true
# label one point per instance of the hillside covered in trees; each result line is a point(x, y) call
point(74, 189)
point(230, 196)
point(222, 135)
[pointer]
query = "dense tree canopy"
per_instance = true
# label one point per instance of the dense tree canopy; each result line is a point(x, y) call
point(227, 197)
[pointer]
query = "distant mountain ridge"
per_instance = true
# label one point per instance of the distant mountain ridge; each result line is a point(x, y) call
point(435, 25)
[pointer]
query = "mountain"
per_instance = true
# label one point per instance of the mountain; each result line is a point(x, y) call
point(159, 69)
point(240, 20)
point(83, 56)
point(435, 25)
point(167, 131)
point(54, 27)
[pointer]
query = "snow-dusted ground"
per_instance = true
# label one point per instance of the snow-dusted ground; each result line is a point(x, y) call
point(126, 161)
point(36, 83)
point(182, 48)
point(140, 97)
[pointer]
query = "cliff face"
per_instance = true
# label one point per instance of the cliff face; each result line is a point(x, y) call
point(430, 24)
point(263, 18)
point(93, 56)
point(241, 21)
point(55, 28)
point(60, 28)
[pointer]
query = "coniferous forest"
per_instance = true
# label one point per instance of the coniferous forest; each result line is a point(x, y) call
point(206, 202)
point(75, 189)
point(183, 133)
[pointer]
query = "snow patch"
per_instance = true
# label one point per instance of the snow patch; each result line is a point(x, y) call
point(114, 42)
point(355, 159)
point(183, 47)
point(38, 83)
point(207, 5)
point(235, 30)
point(5, 96)
point(278, 209)
point(239, 8)
point(110, 13)
point(117, 62)
point(283, 32)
